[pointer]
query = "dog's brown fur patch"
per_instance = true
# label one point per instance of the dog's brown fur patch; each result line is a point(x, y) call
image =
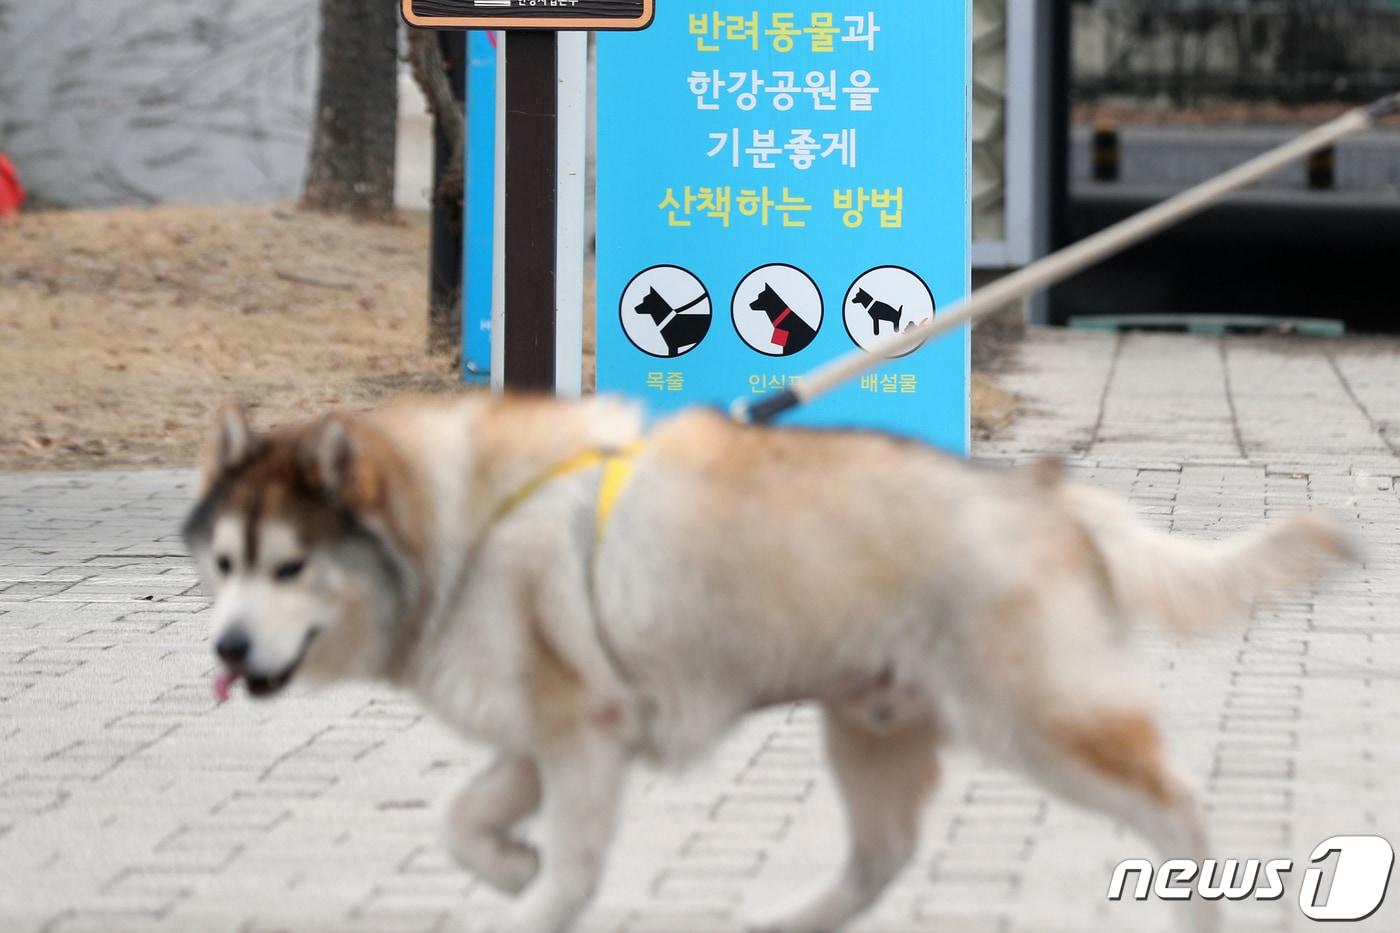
point(280, 479)
point(1125, 748)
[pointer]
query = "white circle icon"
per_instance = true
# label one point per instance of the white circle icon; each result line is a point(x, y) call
point(884, 301)
point(665, 311)
point(777, 310)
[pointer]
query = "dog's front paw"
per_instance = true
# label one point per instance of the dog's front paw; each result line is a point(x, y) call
point(543, 909)
point(767, 920)
point(515, 868)
point(778, 926)
point(506, 864)
point(782, 923)
point(797, 917)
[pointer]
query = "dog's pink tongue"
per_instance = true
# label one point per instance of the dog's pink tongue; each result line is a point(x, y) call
point(223, 684)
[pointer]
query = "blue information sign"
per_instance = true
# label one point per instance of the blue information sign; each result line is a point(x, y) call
point(779, 183)
point(479, 209)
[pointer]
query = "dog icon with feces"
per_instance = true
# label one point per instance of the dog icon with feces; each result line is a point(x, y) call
point(886, 295)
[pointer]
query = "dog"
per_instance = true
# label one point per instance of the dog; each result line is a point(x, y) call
point(791, 333)
point(879, 311)
point(548, 580)
point(680, 330)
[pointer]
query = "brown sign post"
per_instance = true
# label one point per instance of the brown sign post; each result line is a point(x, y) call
point(531, 156)
point(529, 14)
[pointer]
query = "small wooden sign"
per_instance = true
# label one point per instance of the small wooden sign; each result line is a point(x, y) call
point(530, 14)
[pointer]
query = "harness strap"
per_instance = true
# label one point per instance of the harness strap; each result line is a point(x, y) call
point(617, 471)
point(617, 464)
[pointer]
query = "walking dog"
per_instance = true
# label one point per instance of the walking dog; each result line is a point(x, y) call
point(549, 581)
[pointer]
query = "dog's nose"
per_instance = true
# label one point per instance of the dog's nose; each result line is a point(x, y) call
point(233, 646)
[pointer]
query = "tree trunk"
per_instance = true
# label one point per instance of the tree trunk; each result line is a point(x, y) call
point(352, 153)
point(439, 65)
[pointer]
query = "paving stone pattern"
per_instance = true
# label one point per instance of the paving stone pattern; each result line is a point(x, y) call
point(129, 801)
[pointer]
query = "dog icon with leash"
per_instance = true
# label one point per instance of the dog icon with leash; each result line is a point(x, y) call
point(680, 330)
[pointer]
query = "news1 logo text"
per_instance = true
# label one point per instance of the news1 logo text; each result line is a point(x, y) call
point(1348, 879)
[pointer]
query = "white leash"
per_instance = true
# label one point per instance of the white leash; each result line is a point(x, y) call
point(1059, 266)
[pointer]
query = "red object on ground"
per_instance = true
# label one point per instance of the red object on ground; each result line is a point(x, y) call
point(11, 191)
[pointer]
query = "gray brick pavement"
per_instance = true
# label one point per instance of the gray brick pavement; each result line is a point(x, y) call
point(128, 801)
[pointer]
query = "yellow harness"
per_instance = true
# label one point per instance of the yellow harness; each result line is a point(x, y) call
point(617, 465)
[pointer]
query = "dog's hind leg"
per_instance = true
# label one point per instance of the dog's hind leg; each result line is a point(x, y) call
point(1111, 759)
point(1107, 754)
point(884, 778)
point(1048, 693)
point(480, 819)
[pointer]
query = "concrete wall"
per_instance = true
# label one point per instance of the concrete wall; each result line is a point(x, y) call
point(1304, 49)
point(129, 101)
point(989, 81)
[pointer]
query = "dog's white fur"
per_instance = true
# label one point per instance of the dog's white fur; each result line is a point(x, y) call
point(919, 599)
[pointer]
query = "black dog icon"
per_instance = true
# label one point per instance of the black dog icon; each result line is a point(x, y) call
point(790, 331)
point(681, 331)
point(879, 310)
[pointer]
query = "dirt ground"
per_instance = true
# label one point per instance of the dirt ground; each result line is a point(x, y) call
point(122, 331)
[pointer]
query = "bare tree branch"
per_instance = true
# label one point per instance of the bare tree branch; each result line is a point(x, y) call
point(430, 70)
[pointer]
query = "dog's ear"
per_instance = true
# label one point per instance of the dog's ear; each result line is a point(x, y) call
point(334, 458)
point(229, 444)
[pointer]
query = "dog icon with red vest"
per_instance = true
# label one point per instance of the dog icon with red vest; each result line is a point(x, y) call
point(791, 334)
point(778, 310)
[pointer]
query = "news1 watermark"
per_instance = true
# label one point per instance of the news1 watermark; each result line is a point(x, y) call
point(1348, 882)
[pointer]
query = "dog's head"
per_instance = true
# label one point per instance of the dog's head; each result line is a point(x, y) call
point(294, 538)
point(863, 298)
point(769, 302)
point(655, 307)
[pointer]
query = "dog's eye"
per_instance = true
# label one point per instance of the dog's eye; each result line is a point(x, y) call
point(289, 569)
point(223, 564)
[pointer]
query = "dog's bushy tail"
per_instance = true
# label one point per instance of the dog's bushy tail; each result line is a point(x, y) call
point(1190, 585)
